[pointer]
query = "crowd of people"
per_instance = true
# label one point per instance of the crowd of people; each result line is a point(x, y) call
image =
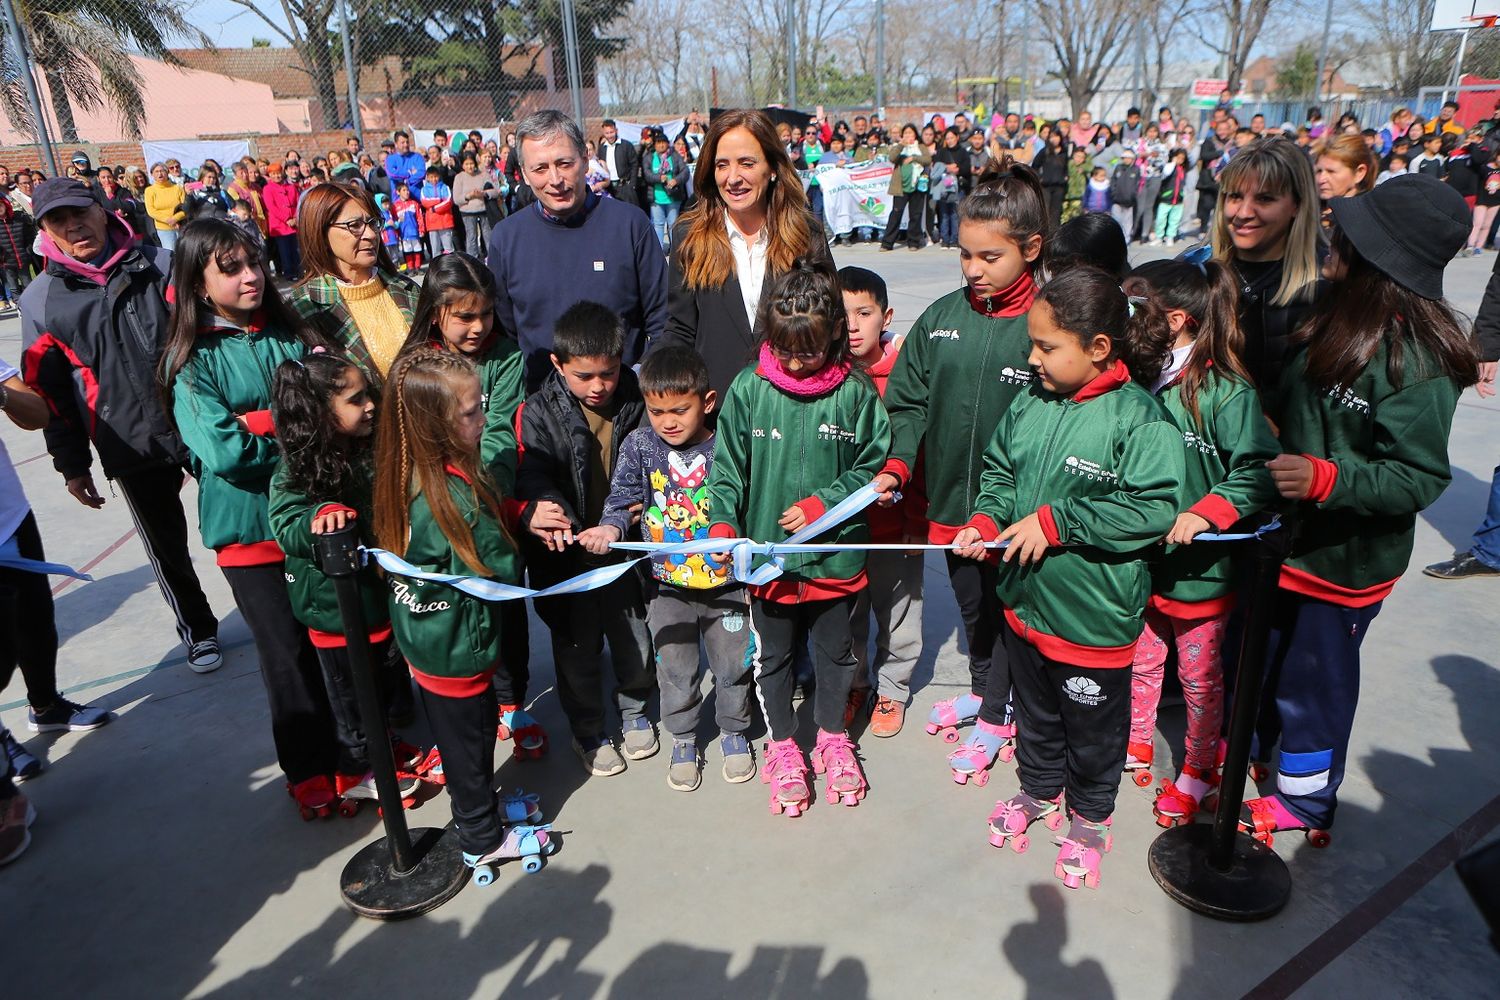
point(1052, 424)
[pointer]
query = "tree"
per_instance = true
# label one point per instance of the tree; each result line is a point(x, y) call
point(1088, 37)
point(83, 48)
point(1240, 21)
point(306, 30)
point(1412, 56)
point(1297, 74)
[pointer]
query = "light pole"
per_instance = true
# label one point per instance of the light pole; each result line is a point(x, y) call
point(879, 55)
point(570, 54)
point(350, 74)
point(23, 66)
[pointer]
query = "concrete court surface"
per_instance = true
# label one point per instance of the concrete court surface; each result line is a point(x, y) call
point(168, 860)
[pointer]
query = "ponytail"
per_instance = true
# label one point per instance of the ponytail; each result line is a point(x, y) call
point(1146, 347)
point(1009, 196)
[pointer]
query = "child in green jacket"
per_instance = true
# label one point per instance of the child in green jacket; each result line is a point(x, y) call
point(325, 418)
point(1367, 402)
point(437, 508)
point(1189, 319)
point(456, 312)
point(230, 330)
point(1085, 470)
point(799, 432)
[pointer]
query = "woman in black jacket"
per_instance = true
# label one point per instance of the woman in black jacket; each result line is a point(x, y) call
point(120, 200)
point(950, 182)
point(1051, 164)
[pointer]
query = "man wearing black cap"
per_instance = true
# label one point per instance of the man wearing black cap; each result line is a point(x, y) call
point(92, 327)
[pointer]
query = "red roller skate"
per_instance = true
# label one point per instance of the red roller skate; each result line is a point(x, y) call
point(354, 789)
point(1258, 770)
point(414, 762)
point(786, 772)
point(857, 705)
point(1138, 763)
point(315, 797)
point(1176, 805)
point(1081, 852)
point(1264, 817)
point(949, 714)
point(518, 725)
point(834, 755)
point(1013, 816)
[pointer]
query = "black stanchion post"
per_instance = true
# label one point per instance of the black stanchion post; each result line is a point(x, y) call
point(1217, 870)
point(406, 872)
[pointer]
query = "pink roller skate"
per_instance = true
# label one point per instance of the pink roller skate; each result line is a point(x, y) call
point(517, 724)
point(951, 713)
point(1014, 815)
point(975, 758)
point(786, 772)
point(1081, 851)
point(1176, 805)
point(1138, 763)
point(834, 754)
point(1262, 818)
point(315, 797)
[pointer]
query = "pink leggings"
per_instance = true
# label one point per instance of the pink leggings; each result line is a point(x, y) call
point(1484, 215)
point(1199, 665)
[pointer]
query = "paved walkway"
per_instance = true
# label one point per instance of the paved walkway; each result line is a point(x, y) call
point(169, 862)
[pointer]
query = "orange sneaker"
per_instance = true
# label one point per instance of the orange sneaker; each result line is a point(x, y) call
point(888, 717)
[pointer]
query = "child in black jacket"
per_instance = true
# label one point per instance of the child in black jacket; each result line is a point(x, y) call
point(571, 432)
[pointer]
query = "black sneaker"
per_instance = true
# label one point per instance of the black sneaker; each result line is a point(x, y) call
point(204, 656)
point(1462, 566)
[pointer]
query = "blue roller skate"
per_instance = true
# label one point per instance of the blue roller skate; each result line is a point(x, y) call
point(948, 715)
point(529, 844)
point(975, 758)
point(521, 807)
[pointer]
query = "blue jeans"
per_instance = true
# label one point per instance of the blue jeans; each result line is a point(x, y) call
point(663, 218)
point(1486, 545)
point(947, 219)
point(168, 238)
point(815, 201)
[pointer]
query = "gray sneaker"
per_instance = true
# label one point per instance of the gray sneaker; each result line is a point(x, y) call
point(686, 772)
point(600, 758)
point(640, 738)
point(739, 762)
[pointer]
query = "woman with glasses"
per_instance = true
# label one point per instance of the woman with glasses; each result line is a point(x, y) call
point(351, 292)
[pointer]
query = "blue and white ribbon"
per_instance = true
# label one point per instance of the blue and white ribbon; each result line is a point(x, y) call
point(11, 558)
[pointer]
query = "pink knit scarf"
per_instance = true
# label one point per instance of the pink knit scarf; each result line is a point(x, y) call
point(821, 382)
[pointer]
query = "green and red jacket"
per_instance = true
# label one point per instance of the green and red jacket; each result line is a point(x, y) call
point(1102, 469)
point(1380, 456)
point(1226, 479)
point(775, 450)
point(963, 362)
point(228, 375)
point(451, 640)
point(314, 601)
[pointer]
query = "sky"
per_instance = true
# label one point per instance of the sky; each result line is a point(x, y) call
point(232, 26)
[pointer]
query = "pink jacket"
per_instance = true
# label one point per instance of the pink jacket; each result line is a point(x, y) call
point(281, 207)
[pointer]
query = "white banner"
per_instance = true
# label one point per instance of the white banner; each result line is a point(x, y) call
point(631, 131)
point(855, 195)
point(192, 152)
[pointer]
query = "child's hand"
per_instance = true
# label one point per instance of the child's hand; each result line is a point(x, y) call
point(596, 540)
point(793, 519)
point(1187, 527)
point(1293, 476)
point(551, 525)
point(635, 512)
point(1028, 542)
point(969, 544)
point(885, 485)
point(334, 520)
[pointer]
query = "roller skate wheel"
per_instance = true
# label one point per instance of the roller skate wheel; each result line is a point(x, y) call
point(1068, 878)
point(1142, 778)
point(1259, 772)
point(1007, 753)
point(308, 815)
point(1109, 841)
point(348, 808)
point(531, 865)
point(932, 729)
point(483, 875)
point(1167, 822)
point(851, 798)
point(960, 777)
point(1054, 820)
point(832, 796)
point(1019, 843)
point(793, 809)
point(950, 735)
point(981, 778)
point(1319, 838)
point(1091, 880)
point(775, 807)
point(996, 839)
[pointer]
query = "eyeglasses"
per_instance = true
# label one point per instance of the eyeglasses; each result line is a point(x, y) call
point(356, 226)
point(805, 357)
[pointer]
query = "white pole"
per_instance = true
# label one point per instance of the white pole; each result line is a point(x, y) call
point(1458, 66)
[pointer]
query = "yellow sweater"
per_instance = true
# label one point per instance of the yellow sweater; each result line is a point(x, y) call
point(378, 319)
point(164, 203)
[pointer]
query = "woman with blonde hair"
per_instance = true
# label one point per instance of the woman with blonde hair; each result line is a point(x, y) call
point(751, 224)
point(1266, 227)
point(1344, 166)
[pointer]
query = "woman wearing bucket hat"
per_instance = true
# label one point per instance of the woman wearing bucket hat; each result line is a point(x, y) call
point(1368, 399)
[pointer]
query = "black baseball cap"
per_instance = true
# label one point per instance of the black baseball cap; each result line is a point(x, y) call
point(60, 192)
point(82, 162)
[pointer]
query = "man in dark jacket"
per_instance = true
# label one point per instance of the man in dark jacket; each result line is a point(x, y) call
point(1124, 189)
point(1208, 182)
point(93, 325)
point(1483, 555)
point(623, 162)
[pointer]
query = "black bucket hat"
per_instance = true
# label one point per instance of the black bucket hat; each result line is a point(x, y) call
point(1408, 228)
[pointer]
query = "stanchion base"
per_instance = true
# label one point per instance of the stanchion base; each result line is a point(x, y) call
point(371, 887)
point(1256, 886)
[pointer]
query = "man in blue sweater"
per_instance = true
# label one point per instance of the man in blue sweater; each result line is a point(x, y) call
point(405, 165)
point(569, 246)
